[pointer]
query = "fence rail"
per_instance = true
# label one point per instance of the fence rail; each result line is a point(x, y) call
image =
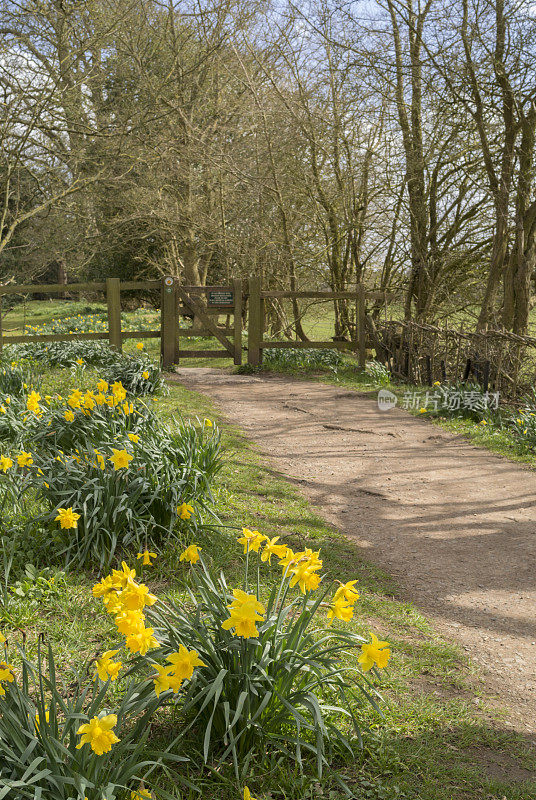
point(256, 322)
point(112, 287)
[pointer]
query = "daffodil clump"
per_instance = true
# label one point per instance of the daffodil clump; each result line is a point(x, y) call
point(16, 376)
point(139, 373)
point(107, 473)
point(76, 742)
point(57, 423)
point(251, 674)
point(522, 425)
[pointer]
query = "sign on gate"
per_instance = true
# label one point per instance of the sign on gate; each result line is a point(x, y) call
point(221, 298)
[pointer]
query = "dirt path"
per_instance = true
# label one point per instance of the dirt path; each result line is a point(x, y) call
point(453, 523)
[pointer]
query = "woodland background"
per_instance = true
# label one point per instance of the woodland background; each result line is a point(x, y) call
point(317, 144)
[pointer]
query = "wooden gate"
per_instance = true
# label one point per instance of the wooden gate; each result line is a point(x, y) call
point(179, 301)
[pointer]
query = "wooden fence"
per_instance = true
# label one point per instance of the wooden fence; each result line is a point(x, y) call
point(175, 301)
point(201, 303)
point(112, 288)
point(256, 320)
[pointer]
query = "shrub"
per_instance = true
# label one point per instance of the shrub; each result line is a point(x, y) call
point(138, 374)
point(64, 354)
point(23, 602)
point(87, 321)
point(15, 377)
point(307, 358)
point(85, 420)
point(378, 372)
point(131, 505)
point(270, 678)
point(466, 400)
point(127, 492)
point(521, 423)
point(12, 412)
point(43, 750)
point(123, 472)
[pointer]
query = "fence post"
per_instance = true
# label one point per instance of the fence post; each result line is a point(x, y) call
point(113, 301)
point(168, 322)
point(361, 325)
point(254, 322)
point(237, 289)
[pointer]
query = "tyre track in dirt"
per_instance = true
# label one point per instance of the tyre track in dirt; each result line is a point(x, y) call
point(454, 524)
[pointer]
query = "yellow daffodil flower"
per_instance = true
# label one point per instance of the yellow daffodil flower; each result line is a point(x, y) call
point(162, 679)
point(341, 609)
point(136, 596)
point(75, 399)
point(24, 459)
point(305, 576)
point(245, 612)
point(98, 734)
point(140, 794)
point(38, 719)
point(67, 518)
point(191, 554)
point(184, 661)
point(347, 592)
point(376, 653)
point(142, 641)
point(103, 587)
point(120, 459)
point(122, 576)
point(5, 463)
point(6, 676)
point(251, 540)
point(32, 403)
point(272, 549)
point(185, 511)
point(129, 622)
point(146, 555)
point(106, 668)
point(119, 391)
